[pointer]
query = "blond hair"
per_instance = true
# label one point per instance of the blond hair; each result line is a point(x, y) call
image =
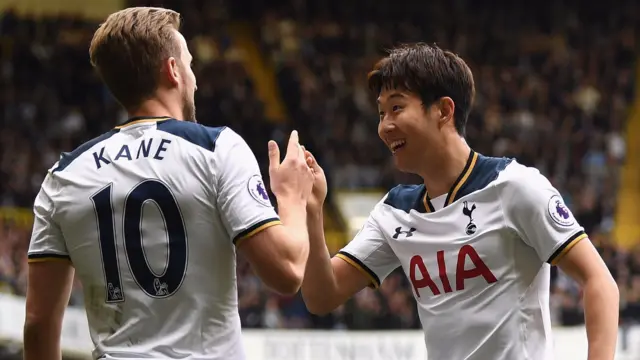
point(128, 49)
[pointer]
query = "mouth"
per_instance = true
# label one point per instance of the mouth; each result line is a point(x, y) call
point(397, 145)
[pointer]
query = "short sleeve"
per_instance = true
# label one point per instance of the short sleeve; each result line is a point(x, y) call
point(242, 197)
point(370, 252)
point(47, 242)
point(537, 212)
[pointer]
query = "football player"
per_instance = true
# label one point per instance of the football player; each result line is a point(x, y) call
point(476, 239)
point(150, 214)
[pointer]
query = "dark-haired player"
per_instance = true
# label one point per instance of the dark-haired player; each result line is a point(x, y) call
point(476, 240)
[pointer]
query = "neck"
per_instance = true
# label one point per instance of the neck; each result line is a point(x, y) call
point(157, 107)
point(440, 175)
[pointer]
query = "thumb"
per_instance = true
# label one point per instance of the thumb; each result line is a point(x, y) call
point(274, 155)
point(293, 148)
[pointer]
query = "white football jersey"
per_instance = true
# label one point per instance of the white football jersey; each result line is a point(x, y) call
point(148, 214)
point(477, 258)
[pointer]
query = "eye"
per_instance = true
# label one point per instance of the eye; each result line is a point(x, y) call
point(396, 108)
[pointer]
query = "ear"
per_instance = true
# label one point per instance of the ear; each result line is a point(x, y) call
point(173, 73)
point(447, 110)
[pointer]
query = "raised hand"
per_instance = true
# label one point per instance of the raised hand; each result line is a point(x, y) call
point(319, 192)
point(291, 180)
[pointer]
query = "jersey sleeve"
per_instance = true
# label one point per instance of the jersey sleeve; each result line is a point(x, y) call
point(241, 194)
point(47, 242)
point(536, 211)
point(370, 252)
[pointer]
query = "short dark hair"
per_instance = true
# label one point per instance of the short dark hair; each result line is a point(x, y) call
point(429, 72)
point(128, 49)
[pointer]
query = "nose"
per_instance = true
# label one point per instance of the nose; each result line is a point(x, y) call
point(387, 126)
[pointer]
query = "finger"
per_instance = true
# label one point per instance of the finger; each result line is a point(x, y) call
point(294, 144)
point(301, 151)
point(308, 158)
point(274, 155)
point(311, 161)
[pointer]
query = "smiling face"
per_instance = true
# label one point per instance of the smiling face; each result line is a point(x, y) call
point(424, 98)
point(411, 131)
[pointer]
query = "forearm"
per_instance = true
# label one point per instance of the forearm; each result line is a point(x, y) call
point(41, 342)
point(294, 218)
point(319, 282)
point(601, 305)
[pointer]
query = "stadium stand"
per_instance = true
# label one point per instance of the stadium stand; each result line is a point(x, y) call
point(555, 89)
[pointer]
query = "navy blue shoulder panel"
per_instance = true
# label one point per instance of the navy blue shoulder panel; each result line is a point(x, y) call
point(203, 136)
point(484, 172)
point(406, 198)
point(66, 158)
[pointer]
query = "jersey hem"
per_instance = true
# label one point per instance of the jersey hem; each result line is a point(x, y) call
point(355, 262)
point(255, 228)
point(565, 247)
point(43, 257)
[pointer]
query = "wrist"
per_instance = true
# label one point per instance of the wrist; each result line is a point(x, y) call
point(314, 213)
point(292, 204)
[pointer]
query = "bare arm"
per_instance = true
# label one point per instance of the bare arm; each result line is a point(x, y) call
point(276, 246)
point(328, 282)
point(48, 293)
point(601, 298)
point(278, 254)
point(537, 212)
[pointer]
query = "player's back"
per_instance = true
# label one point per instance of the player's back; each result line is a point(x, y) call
point(141, 214)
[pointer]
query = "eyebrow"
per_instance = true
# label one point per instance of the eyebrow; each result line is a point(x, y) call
point(392, 96)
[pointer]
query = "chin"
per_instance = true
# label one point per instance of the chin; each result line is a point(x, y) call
point(402, 166)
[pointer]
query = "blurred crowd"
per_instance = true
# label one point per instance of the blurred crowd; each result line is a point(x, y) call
point(554, 85)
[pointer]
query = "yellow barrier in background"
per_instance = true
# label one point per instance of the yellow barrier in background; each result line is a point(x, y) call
point(627, 219)
point(261, 71)
point(22, 217)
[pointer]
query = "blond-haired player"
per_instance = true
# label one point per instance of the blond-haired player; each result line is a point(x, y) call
point(151, 213)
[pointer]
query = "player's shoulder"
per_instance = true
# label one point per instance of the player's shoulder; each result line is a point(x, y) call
point(405, 198)
point(205, 137)
point(520, 178)
point(66, 158)
point(479, 174)
point(523, 188)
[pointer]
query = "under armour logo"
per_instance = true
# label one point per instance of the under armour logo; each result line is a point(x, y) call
point(471, 227)
point(407, 233)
